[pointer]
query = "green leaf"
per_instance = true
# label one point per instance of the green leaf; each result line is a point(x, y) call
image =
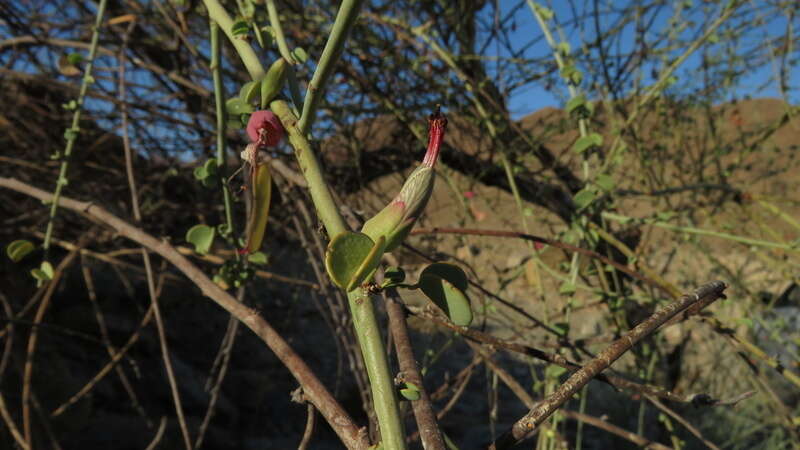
point(236, 106)
point(449, 272)
point(393, 276)
point(567, 288)
point(19, 249)
point(240, 29)
point(572, 75)
point(300, 55)
point(562, 328)
point(258, 258)
point(74, 58)
point(349, 257)
point(44, 272)
point(575, 102)
point(563, 48)
point(201, 236)
point(410, 391)
point(605, 182)
point(544, 12)
point(586, 142)
point(250, 91)
point(583, 198)
point(554, 371)
point(444, 284)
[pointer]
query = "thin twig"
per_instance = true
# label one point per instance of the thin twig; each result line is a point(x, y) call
point(334, 414)
point(32, 340)
point(151, 288)
point(577, 380)
point(310, 425)
point(427, 425)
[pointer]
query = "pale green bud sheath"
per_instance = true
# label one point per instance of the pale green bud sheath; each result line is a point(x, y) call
point(397, 219)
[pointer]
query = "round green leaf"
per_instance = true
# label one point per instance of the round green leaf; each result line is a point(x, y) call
point(576, 102)
point(201, 236)
point(449, 298)
point(349, 256)
point(588, 141)
point(449, 272)
point(237, 106)
point(250, 91)
point(19, 249)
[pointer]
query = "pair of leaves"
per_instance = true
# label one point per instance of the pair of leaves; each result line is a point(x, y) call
point(352, 257)
point(207, 173)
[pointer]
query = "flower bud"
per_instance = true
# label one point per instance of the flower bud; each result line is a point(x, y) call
point(397, 219)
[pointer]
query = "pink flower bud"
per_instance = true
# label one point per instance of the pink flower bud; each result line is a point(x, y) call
point(264, 128)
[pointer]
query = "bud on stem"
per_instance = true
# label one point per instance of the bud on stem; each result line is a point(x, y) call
point(397, 219)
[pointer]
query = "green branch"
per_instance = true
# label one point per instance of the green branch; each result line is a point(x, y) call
point(74, 130)
point(218, 14)
point(345, 19)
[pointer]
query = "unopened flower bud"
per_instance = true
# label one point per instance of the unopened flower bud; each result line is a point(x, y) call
point(397, 219)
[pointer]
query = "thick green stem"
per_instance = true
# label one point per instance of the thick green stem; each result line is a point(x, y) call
point(320, 194)
point(348, 13)
point(380, 378)
point(218, 14)
point(73, 131)
point(361, 306)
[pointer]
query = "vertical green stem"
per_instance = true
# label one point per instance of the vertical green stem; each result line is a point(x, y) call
point(219, 103)
point(73, 131)
point(361, 306)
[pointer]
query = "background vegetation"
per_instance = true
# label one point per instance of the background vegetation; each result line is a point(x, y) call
point(672, 153)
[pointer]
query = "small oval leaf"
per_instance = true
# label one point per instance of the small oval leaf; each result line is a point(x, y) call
point(449, 272)
point(450, 299)
point(300, 55)
point(236, 106)
point(19, 249)
point(345, 255)
point(249, 91)
point(201, 236)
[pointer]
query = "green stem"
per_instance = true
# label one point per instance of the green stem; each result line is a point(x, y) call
point(703, 232)
point(219, 101)
point(381, 381)
point(345, 19)
point(218, 14)
point(75, 128)
point(317, 186)
point(361, 306)
point(280, 38)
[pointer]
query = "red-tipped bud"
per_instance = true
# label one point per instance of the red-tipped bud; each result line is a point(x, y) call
point(397, 219)
point(265, 129)
point(437, 123)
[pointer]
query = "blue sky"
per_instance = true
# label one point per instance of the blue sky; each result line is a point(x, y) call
point(759, 82)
